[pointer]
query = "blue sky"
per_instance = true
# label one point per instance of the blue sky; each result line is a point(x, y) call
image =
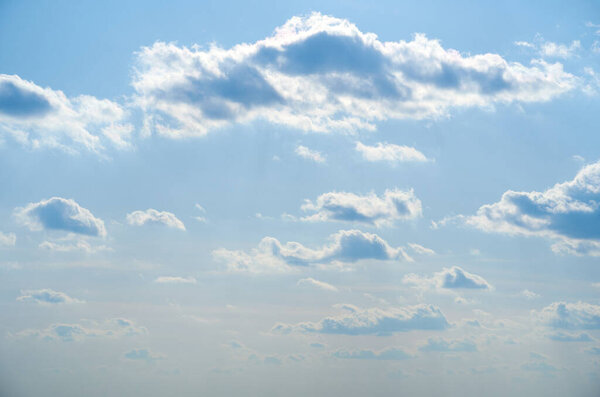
point(337, 198)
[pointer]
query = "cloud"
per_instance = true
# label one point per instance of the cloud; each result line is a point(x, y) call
point(72, 243)
point(529, 294)
point(309, 154)
point(565, 337)
point(7, 239)
point(317, 284)
point(46, 297)
point(271, 256)
point(570, 316)
point(448, 278)
point(37, 116)
point(371, 321)
point(549, 49)
point(443, 345)
point(387, 354)
point(139, 218)
point(390, 153)
point(420, 250)
point(113, 328)
point(142, 355)
point(58, 213)
point(567, 213)
point(321, 73)
point(370, 209)
point(539, 366)
point(175, 280)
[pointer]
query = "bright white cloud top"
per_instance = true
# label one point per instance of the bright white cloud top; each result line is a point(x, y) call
point(394, 205)
point(317, 284)
point(320, 73)
point(140, 218)
point(448, 278)
point(309, 154)
point(390, 152)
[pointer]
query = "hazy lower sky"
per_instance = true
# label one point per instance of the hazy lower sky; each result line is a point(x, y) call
point(333, 198)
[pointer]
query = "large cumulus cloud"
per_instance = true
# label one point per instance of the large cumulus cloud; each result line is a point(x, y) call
point(321, 73)
point(568, 213)
point(37, 116)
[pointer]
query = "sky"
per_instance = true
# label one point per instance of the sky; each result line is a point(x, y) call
point(333, 198)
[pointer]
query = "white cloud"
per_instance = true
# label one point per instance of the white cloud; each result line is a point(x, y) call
point(443, 345)
point(58, 213)
point(529, 294)
point(370, 209)
point(386, 354)
point(390, 152)
point(420, 250)
point(46, 297)
point(7, 239)
point(566, 213)
point(175, 280)
point(321, 73)
point(579, 315)
point(317, 284)
point(271, 256)
point(139, 218)
point(73, 243)
point(550, 49)
point(448, 278)
point(37, 116)
point(309, 154)
point(376, 321)
point(113, 328)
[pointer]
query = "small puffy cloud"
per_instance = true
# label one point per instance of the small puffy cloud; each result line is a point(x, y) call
point(346, 246)
point(175, 280)
point(448, 278)
point(566, 213)
point(529, 294)
point(394, 205)
point(387, 354)
point(317, 284)
point(567, 337)
point(309, 154)
point(390, 153)
point(443, 345)
point(142, 355)
point(320, 73)
point(46, 297)
point(420, 250)
point(570, 316)
point(37, 116)
point(373, 321)
point(113, 328)
point(7, 239)
point(139, 218)
point(58, 213)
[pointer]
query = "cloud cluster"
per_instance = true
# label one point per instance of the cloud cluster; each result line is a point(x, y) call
point(570, 316)
point(568, 213)
point(387, 354)
point(46, 297)
point(7, 239)
point(58, 213)
point(113, 328)
point(139, 218)
point(394, 205)
point(373, 321)
point(448, 278)
point(390, 152)
point(549, 49)
point(321, 73)
point(271, 256)
point(37, 116)
point(443, 345)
